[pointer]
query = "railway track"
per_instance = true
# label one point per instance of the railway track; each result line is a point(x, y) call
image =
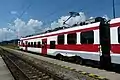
point(87, 63)
point(21, 70)
point(50, 71)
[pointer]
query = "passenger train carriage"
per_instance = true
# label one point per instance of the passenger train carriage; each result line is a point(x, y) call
point(98, 41)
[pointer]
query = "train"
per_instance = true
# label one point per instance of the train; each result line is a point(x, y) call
point(96, 39)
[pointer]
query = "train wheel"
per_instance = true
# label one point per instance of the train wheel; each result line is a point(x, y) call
point(60, 57)
point(78, 60)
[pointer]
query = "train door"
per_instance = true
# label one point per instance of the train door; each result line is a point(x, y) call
point(21, 43)
point(25, 45)
point(104, 30)
point(44, 46)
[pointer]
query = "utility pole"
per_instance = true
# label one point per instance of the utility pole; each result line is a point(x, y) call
point(113, 9)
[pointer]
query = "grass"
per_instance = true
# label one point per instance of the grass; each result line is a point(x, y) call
point(12, 46)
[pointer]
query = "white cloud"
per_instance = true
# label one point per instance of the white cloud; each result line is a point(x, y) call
point(6, 34)
point(91, 17)
point(31, 27)
point(20, 28)
point(13, 12)
point(106, 17)
point(70, 22)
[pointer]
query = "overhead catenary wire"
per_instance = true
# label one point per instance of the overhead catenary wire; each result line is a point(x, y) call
point(20, 16)
point(24, 11)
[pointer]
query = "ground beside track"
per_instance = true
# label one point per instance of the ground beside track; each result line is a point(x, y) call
point(61, 71)
point(84, 69)
point(23, 70)
point(5, 74)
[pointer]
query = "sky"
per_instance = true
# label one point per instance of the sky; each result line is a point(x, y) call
point(24, 17)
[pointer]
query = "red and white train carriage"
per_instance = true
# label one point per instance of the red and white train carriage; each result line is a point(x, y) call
point(98, 41)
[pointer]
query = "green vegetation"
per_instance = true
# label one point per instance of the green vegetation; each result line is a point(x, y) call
point(10, 44)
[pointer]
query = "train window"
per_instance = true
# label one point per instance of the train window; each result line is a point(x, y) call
point(34, 44)
point(31, 44)
point(39, 44)
point(87, 37)
point(60, 39)
point(28, 44)
point(52, 44)
point(118, 34)
point(71, 38)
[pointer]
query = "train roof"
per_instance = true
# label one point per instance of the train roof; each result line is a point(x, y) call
point(90, 21)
